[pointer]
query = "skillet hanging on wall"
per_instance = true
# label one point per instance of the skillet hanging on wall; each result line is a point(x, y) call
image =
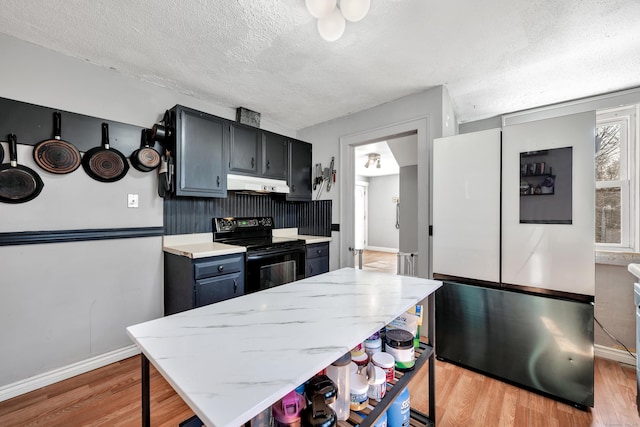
point(105, 163)
point(145, 158)
point(18, 183)
point(55, 155)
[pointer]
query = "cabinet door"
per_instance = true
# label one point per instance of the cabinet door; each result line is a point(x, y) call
point(300, 164)
point(244, 150)
point(274, 156)
point(201, 141)
point(317, 266)
point(216, 289)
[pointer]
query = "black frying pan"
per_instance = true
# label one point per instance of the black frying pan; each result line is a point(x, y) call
point(145, 158)
point(55, 155)
point(104, 163)
point(18, 184)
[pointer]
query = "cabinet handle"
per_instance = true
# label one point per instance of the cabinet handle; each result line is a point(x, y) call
point(218, 180)
point(310, 268)
point(293, 188)
point(221, 268)
point(268, 164)
point(253, 162)
point(235, 286)
point(319, 251)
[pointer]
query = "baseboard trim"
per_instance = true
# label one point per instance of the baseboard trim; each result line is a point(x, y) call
point(29, 384)
point(381, 249)
point(614, 354)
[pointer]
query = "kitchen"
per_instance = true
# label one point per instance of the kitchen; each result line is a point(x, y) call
point(80, 326)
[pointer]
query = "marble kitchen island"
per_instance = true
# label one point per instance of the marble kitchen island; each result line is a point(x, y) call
point(231, 360)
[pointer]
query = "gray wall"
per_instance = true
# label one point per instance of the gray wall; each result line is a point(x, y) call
point(408, 208)
point(383, 233)
point(64, 303)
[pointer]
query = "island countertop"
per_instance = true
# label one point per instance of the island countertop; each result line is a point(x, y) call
point(231, 360)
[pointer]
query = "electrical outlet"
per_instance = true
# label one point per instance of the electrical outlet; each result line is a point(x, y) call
point(132, 200)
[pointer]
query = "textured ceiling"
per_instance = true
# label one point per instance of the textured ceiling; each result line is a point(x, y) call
point(494, 56)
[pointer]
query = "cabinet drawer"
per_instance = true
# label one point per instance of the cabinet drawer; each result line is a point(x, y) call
point(218, 266)
point(318, 250)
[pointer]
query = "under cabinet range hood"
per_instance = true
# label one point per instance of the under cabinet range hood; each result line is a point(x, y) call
point(253, 184)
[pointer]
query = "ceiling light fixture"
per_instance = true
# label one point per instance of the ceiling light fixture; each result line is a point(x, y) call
point(373, 158)
point(332, 16)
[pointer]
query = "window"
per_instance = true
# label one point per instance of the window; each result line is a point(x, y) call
point(615, 179)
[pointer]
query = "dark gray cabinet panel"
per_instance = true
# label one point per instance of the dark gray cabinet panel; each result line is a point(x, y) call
point(299, 176)
point(244, 150)
point(200, 159)
point(190, 283)
point(274, 156)
point(219, 288)
point(317, 259)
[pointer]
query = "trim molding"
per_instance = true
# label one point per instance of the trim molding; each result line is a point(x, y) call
point(614, 354)
point(61, 236)
point(29, 384)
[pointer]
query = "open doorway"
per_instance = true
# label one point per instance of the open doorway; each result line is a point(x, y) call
point(384, 228)
point(376, 201)
point(418, 130)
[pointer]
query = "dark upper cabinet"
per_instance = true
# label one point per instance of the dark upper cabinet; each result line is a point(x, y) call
point(274, 156)
point(201, 141)
point(300, 164)
point(244, 149)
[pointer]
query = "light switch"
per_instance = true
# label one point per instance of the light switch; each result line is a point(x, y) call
point(132, 200)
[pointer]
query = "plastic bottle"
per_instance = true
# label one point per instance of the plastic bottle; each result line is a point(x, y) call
point(399, 412)
point(382, 421)
point(339, 373)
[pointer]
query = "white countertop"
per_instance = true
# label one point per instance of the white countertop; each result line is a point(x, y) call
point(634, 269)
point(293, 232)
point(198, 245)
point(231, 360)
point(201, 245)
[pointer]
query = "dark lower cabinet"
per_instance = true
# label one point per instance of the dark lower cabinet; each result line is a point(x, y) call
point(317, 259)
point(191, 283)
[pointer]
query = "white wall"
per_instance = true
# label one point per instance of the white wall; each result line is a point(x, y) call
point(383, 233)
point(326, 136)
point(64, 303)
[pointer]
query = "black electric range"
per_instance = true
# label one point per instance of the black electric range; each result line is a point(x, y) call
point(270, 261)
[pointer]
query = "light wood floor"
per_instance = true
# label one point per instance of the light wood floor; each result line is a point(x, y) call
point(378, 261)
point(110, 396)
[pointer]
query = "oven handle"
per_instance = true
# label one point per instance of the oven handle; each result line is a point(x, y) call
point(268, 253)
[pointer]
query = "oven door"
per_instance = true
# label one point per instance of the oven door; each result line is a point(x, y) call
point(274, 267)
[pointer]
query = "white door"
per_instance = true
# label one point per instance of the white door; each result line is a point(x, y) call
point(361, 217)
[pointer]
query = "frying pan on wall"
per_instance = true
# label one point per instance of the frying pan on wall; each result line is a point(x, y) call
point(105, 163)
point(18, 183)
point(145, 158)
point(55, 155)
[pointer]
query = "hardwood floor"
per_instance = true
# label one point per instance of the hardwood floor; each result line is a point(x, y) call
point(378, 261)
point(110, 396)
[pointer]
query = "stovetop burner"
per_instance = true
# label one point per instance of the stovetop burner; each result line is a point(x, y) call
point(254, 233)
